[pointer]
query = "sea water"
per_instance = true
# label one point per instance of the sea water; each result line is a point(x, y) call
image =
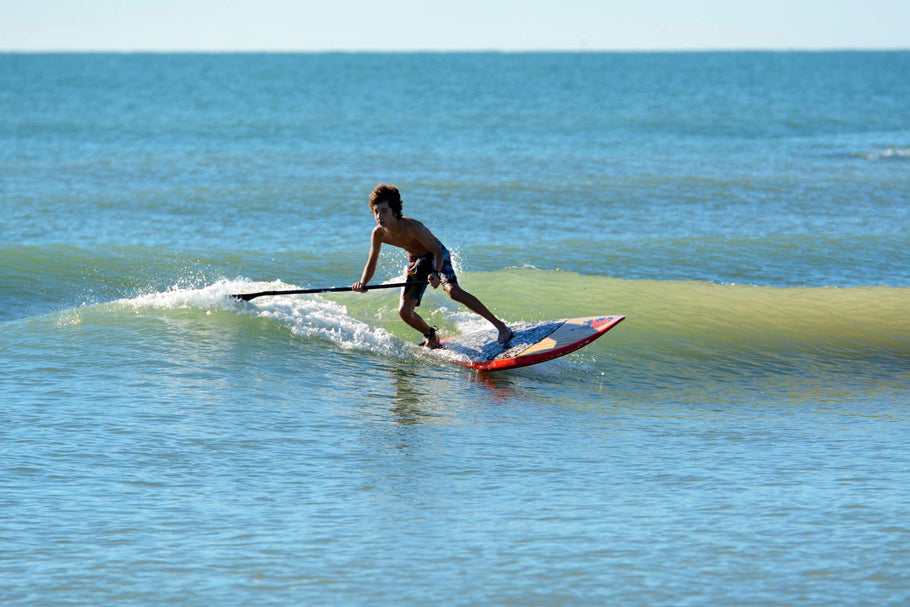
point(741, 438)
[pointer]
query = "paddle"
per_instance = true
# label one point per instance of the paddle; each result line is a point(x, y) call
point(394, 285)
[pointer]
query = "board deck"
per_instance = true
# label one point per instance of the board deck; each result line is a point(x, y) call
point(531, 344)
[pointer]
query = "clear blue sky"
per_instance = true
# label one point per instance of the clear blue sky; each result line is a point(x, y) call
point(509, 25)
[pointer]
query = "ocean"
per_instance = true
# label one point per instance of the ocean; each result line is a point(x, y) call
point(740, 439)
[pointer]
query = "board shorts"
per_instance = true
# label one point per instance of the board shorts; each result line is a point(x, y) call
point(419, 267)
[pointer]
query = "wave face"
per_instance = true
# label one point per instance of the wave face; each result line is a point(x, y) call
point(692, 331)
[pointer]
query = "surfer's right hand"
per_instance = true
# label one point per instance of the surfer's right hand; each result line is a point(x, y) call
point(359, 287)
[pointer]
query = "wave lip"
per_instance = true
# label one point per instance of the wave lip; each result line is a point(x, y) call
point(310, 317)
point(891, 153)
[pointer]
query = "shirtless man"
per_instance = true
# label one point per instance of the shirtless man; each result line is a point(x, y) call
point(428, 260)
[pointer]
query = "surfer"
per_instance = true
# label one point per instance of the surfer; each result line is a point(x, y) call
point(428, 260)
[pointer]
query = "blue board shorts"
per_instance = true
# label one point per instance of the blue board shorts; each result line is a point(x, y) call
point(419, 267)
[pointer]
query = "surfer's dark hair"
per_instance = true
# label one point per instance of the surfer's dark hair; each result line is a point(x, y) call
point(387, 193)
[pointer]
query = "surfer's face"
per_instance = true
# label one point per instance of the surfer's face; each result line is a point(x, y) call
point(383, 214)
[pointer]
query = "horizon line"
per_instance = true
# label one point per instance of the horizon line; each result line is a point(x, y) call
point(266, 51)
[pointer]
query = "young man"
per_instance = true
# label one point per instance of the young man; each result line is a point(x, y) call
point(428, 260)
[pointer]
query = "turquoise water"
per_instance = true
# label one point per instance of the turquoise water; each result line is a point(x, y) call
point(739, 439)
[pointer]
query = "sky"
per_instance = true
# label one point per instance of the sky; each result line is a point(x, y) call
point(451, 25)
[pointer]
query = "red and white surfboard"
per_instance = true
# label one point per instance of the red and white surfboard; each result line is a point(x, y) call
point(531, 344)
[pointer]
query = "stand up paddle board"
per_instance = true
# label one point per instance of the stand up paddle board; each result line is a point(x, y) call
point(530, 344)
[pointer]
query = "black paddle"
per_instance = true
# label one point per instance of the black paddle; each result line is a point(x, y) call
point(249, 296)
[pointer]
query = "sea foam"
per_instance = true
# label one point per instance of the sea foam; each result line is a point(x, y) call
point(309, 316)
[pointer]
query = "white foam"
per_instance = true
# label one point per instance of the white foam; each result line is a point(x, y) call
point(308, 316)
point(213, 297)
point(888, 153)
point(314, 317)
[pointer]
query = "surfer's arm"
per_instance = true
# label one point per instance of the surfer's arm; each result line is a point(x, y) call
point(439, 259)
point(370, 268)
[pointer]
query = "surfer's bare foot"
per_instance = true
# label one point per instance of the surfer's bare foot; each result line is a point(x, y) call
point(505, 335)
point(432, 340)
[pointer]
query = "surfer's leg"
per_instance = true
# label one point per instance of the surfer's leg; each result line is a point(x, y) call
point(408, 313)
point(475, 305)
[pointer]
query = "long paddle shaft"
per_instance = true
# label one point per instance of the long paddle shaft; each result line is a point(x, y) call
point(395, 285)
